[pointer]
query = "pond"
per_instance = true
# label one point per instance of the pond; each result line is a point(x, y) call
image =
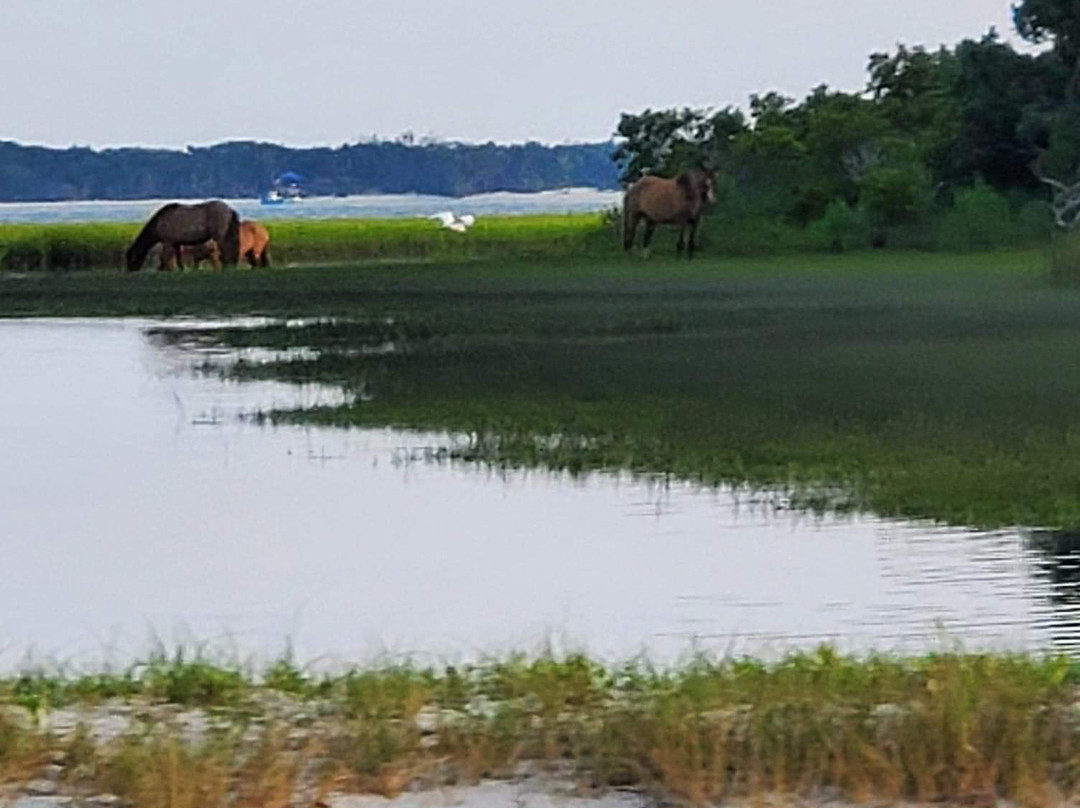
point(137, 505)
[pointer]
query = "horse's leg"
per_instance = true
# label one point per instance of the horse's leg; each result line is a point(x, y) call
point(630, 230)
point(681, 245)
point(168, 257)
point(264, 259)
point(650, 230)
point(693, 240)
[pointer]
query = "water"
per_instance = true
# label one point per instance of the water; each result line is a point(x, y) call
point(382, 206)
point(135, 504)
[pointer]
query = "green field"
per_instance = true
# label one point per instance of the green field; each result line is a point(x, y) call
point(724, 232)
point(29, 247)
point(927, 386)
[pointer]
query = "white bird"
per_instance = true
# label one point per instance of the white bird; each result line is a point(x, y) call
point(459, 224)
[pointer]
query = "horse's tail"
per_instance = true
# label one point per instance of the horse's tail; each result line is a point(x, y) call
point(146, 240)
point(230, 247)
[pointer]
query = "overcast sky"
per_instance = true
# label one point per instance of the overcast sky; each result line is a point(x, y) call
point(303, 72)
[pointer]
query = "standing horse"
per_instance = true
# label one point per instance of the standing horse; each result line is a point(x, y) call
point(661, 201)
point(175, 225)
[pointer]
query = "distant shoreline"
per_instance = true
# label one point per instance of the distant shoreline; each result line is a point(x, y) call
point(355, 206)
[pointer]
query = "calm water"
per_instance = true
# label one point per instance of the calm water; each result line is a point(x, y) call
point(573, 200)
point(134, 503)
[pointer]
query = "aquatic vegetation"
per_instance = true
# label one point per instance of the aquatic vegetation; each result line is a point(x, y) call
point(947, 726)
point(938, 387)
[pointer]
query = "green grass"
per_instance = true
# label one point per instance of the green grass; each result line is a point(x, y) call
point(942, 727)
point(31, 247)
point(925, 386)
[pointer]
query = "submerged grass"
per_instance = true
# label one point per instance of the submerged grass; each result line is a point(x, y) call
point(946, 726)
point(923, 386)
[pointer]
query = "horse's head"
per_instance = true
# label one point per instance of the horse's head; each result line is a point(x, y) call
point(708, 185)
point(133, 258)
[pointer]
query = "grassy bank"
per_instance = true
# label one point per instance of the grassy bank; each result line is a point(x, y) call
point(943, 727)
point(726, 231)
point(31, 247)
point(925, 386)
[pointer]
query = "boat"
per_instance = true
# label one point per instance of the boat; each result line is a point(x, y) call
point(286, 188)
point(272, 197)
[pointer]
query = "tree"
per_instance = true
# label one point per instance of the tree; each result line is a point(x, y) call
point(1057, 21)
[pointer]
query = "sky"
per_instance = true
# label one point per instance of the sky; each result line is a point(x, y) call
point(326, 72)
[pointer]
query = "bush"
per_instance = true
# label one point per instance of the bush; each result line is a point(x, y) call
point(840, 229)
point(979, 219)
point(1065, 257)
point(895, 195)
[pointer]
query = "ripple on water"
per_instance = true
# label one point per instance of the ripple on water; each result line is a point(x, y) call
point(137, 502)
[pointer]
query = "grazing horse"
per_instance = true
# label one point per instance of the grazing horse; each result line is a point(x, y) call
point(254, 243)
point(175, 226)
point(661, 201)
point(208, 250)
point(254, 246)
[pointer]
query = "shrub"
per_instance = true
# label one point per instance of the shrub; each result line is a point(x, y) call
point(979, 219)
point(840, 229)
point(1065, 257)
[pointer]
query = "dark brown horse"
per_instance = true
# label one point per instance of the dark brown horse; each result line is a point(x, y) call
point(176, 225)
point(661, 201)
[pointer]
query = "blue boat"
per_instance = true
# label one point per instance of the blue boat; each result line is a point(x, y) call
point(286, 188)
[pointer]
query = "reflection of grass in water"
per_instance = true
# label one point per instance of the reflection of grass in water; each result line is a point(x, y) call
point(928, 386)
point(945, 726)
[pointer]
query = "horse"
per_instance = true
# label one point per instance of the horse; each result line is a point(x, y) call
point(254, 246)
point(254, 243)
point(662, 201)
point(208, 250)
point(175, 225)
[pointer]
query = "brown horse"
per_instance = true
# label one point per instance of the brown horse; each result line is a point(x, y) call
point(176, 225)
point(661, 201)
point(208, 250)
point(254, 243)
point(254, 246)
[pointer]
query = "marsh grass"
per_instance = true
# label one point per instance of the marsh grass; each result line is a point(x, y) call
point(78, 246)
point(979, 220)
point(914, 386)
point(946, 726)
point(923, 386)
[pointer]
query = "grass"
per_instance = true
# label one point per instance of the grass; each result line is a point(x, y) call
point(942, 727)
point(79, 246)
point(925, 386)
point(101, 245)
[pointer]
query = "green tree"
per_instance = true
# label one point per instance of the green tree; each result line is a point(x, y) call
point(1056, 21)
point(659, 140)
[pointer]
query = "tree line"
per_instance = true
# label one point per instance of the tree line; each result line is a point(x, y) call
point(980, 120)
point(246, 169)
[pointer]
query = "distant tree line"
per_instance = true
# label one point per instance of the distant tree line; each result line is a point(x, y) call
point(246, 169)
point(980, 121)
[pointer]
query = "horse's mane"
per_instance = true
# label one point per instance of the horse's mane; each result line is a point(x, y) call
point(147, 237)
point(691, 180)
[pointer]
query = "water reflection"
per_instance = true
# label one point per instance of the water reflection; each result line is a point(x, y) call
point(133, 500)
point(1056, 556)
